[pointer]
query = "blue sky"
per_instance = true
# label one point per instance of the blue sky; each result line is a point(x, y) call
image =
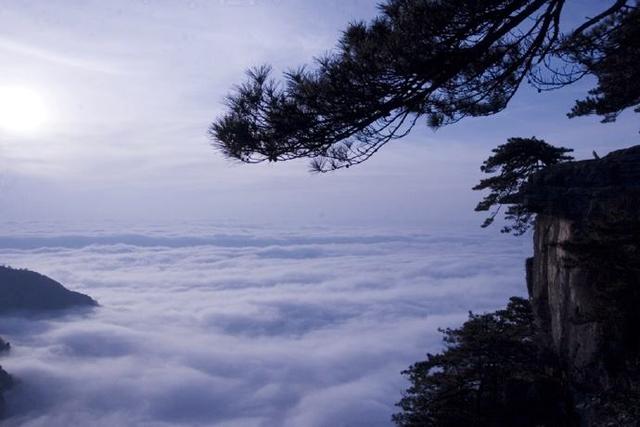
point(131, 86)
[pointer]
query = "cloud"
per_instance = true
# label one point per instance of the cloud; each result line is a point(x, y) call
point(51, 55)
point(246, 328)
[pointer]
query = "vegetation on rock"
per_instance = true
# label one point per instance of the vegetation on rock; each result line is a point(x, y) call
point(435, 61)
point(515, 162)
point(492, 373)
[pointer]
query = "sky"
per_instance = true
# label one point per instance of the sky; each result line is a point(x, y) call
point(130, 87)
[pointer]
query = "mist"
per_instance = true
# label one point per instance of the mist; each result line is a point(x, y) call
point(245, 328)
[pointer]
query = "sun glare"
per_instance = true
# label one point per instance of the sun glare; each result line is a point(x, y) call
point(22, 110)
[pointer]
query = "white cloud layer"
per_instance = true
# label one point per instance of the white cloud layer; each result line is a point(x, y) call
point(246, 328)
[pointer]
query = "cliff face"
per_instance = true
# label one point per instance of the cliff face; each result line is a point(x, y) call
point(584, 280)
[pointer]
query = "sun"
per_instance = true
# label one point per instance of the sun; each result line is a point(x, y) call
point(22, 110)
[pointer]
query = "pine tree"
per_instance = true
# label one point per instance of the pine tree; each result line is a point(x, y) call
point(431, 61)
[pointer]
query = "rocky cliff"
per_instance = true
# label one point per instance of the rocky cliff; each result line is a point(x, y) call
point(584, 280)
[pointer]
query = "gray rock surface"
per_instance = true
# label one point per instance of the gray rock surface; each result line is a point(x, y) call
point(584, 279)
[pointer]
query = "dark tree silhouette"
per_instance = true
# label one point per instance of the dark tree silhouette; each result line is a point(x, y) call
point(492, 373)
point(610, 52)
point(514, 162)
point(6, 382)
point(439, 61)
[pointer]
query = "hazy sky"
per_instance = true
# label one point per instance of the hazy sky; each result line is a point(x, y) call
point(130, 88)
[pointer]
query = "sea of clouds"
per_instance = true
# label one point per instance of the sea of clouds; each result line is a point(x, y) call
point(243, 327)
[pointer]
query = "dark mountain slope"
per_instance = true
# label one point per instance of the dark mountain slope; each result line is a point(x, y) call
point(30, 291)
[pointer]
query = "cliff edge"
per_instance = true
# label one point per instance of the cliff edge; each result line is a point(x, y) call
point(584, 280)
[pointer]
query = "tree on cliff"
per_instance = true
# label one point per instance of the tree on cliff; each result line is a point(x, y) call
point(438, 61)
point(513, 163)
point(491, 374)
